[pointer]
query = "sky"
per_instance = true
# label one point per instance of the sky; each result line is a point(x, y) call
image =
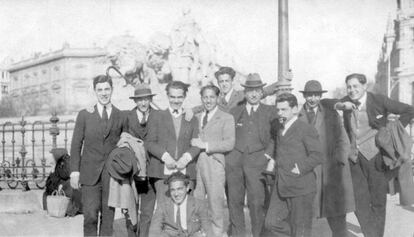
point(328, 38)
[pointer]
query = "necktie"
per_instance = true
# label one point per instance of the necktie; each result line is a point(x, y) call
point(178, 218)
point(251, 111)
point(104, 116)
point(143, 120)
point(205, 119)
point(311, 116)
point(223, 100)
point(357, 103)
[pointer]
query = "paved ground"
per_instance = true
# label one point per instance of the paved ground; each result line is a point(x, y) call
point(399, 223)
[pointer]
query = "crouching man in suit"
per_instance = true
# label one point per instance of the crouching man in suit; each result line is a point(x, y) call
point(181, 215)
point(297, 152)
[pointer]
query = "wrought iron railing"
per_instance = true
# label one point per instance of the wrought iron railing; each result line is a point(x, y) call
point(25, 150)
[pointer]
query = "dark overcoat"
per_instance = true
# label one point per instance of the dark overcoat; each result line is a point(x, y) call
point(334, 188)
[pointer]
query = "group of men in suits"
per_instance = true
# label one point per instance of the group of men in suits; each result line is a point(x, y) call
point(321, 165)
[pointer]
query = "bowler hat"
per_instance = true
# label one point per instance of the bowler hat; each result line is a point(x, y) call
point(253, 80)
point(313, 86)
point(142, 90)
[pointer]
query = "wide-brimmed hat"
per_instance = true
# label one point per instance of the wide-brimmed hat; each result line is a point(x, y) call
point(142, 90)
point(121, 163)
point(253, 80)
point(313, 86)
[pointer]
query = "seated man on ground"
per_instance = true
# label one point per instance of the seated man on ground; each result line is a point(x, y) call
point(170, 217)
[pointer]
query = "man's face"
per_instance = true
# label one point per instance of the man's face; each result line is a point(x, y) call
point(225, 82)
point(176, 98)
point(103, 93)
point(355, 89)
point(143, 104)
point(209, 99)
point(312, 99)
point(178, 191)
point(285, 112)
point(253, 95)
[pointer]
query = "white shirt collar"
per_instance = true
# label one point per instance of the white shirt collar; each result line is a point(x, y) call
point(183, 213)
point(228, 95)
point(141, 115)
point(175, 115)
point(288, 124)
point(108, 109)
point(362, 101)
point(248, 107)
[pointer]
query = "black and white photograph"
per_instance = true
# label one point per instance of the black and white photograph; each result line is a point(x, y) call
point(207, 118)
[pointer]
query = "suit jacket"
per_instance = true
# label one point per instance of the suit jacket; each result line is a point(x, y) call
point(91, 143)
point(163, 224)
point(134, 127)
point(334, 194)
point(266, 113)
point(219, 133)
point(161, 138)
point(299, 145)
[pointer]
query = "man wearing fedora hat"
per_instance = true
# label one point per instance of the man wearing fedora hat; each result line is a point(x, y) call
point(137, 119)
point(334, 193)
point(245, 164)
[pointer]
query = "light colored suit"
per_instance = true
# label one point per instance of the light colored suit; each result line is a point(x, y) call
point(219, 133)
point(163, 224)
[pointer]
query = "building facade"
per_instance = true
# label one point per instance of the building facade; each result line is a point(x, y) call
point(395, 74)
point(58, 79)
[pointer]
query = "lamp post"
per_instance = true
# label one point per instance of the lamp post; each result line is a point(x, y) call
point(284, 73)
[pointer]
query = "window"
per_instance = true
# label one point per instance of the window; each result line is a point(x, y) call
point(4, 90)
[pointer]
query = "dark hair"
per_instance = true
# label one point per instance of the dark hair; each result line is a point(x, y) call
point(210, 87)
point(178, 176)
point(177, 85)
point(361, 78)
point(225, 70)
point(290, 98)
point(101, 79)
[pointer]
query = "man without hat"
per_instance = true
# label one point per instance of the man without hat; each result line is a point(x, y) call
point(216, 138)
point(96, 133)
point(181, 214)
point(168, 141)
point(137, 120)
point(245, 164)
point(364, 114)
point(297, 151)
point(334, 193)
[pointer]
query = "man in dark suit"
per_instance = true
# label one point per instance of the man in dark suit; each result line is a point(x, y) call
point(245, 164)
point(137, 120)
point(334, 196)
point(181, 215)
point(169, 140)
point(297, 152)
point(95, 135)
point(367, 168)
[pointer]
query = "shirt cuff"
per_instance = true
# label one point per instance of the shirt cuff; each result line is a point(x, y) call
point(74, 173)
point(268, 157)
point(187, 157)
point(164, 156)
